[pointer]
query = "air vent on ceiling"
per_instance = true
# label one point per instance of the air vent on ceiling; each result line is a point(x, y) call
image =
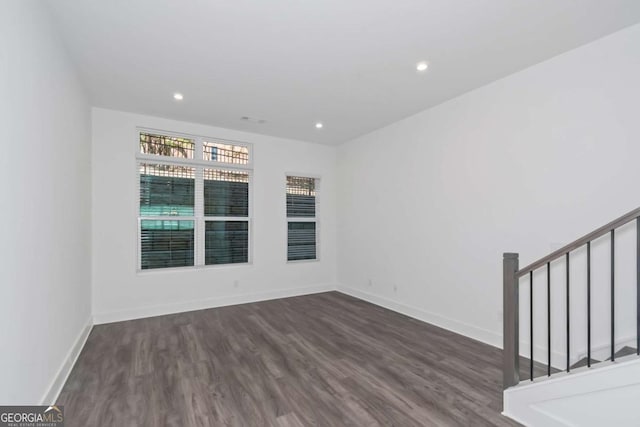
point(252, 120)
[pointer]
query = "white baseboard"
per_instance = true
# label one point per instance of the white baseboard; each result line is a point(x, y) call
point(159, 310)
point(60, 379)
point(480, 334)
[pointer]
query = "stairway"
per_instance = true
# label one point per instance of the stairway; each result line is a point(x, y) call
point(573, 394)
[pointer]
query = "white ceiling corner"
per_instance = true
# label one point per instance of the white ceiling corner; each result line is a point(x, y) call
point(347, 63)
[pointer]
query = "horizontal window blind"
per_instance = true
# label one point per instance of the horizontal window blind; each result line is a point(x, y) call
point(166, 190)
point(301, 197)
point(301, 218)
point(302, 241)
point(166, 244)
point(226, 242)
point(226, 193)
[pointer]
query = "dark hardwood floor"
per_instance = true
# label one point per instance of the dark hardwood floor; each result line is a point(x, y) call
point(318, 360)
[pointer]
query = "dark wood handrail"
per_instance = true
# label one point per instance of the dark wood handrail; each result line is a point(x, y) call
point(624, 219)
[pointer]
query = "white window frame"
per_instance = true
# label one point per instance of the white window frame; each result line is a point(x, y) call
point(315, 219)
point(199, 219)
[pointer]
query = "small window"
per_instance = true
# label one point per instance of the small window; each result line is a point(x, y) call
point(225, 153)
point(169, 146)
point(301, 218)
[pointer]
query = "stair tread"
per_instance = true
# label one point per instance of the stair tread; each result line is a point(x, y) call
point(624, 351)
point(583, 362)
point(539, 369)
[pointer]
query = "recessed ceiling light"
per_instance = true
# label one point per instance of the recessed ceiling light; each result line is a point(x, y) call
point(422, 66)
point(178, 96)
point(319, 125)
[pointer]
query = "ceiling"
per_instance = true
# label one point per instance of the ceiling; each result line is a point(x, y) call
point(350, 64)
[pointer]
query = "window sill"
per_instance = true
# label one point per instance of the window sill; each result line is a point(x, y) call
point(153, 271)
point(302, 261)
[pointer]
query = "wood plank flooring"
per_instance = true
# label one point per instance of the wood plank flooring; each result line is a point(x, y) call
point(319, 360)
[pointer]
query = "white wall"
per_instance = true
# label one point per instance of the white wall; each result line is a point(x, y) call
point(525, 164)
point(45, 290)
point(119, 292)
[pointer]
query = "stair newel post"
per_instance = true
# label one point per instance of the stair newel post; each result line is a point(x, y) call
point(510, 326)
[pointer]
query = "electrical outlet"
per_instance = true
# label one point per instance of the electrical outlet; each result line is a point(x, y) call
point(370, 283)
point(236, 283)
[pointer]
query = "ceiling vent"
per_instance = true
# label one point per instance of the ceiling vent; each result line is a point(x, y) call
point(252, 120)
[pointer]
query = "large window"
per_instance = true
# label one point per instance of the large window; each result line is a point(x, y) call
point(301, 218)
point(193, 201)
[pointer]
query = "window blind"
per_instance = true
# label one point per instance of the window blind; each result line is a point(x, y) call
point(301, 218)
point(302, 241)
point(166, 243)
point(226, 193)
point(226, 242)
point(166, 190)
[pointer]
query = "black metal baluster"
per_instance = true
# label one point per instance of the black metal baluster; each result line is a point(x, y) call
point(589, 304)
point(548, 319)
point(613, 301)
point(531, 325)
point(568, 316)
